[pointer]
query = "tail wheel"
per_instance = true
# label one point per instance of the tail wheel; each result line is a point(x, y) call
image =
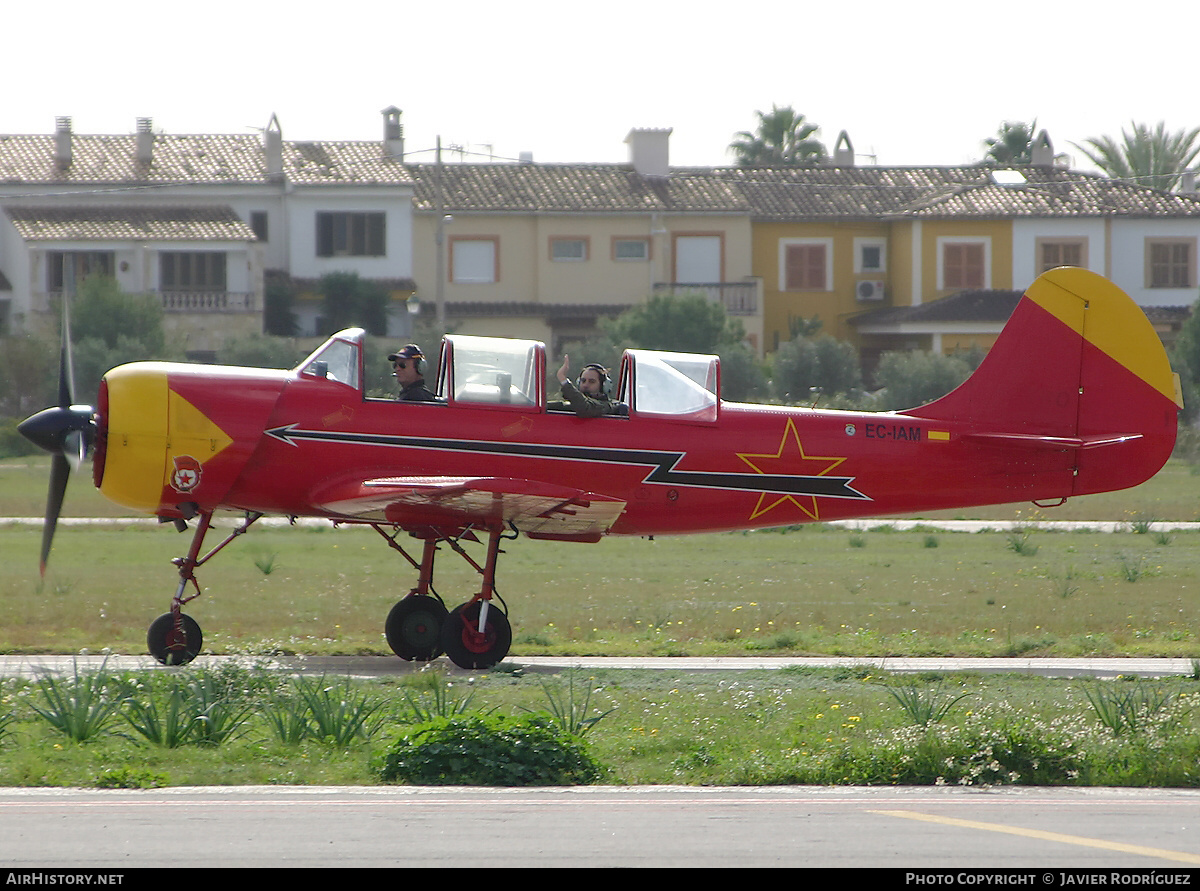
point(174, 648)
point(414, 628)
point(463, 643)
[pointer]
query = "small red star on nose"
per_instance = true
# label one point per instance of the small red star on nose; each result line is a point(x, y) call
point(790, 460)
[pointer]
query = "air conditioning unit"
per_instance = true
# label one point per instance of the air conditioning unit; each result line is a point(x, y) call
point(871, 291)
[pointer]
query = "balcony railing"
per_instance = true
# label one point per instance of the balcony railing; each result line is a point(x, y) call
point(738, 298)
point(209, 301)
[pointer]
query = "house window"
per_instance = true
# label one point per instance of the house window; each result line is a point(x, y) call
point(963, 266)
point(474, 260)
point(351, 234)
point(1069, 252)
point(699, 258)
point(191, 271)
point(568, 250)
point(870, 255)
point(258, 222)
point(631, 249)
point(805, 267)
point(75, 266)
point(1171, 263)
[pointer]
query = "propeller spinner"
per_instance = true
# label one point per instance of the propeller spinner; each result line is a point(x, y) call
point(67, 432)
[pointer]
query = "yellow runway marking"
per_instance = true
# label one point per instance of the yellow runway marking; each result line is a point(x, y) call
point(1161, 853)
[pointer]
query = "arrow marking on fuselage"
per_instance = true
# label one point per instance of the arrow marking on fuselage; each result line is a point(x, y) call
point(662, 464)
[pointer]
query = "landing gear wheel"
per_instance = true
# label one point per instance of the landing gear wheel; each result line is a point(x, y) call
point(465, 646)
point(158, 640)
point(414, 628)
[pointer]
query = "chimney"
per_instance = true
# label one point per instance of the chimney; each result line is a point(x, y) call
point(1041, 153)
point(62, 142)
point(273, 148)
point(649, 151)
point(393, 134)
point(145, 141)
point(843, 151)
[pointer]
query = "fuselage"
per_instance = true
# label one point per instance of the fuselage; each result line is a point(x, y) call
point(177, 439)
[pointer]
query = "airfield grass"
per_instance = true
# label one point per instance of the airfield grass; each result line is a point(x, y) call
point(792, 726)
point(805, 590)
point(814, 589)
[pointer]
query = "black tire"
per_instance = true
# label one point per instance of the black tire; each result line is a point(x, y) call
point(462, 644)
point(156, 640)
point(414, 628)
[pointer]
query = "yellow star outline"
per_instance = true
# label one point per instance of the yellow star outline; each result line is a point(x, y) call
point(784, 463)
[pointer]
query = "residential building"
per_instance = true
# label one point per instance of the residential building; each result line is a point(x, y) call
point(854, 245)
point(545, 250)
point(199, 220)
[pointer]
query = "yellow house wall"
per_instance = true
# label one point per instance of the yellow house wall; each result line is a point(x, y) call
point(527, 274)
point(999, 233)
point(900, 264)
point(833, 306)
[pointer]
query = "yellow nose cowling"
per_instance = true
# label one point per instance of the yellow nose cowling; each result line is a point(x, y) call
point(150, 426)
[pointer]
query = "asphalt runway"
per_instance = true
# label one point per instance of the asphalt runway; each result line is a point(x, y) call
point(1032, 833)
point(385, 666)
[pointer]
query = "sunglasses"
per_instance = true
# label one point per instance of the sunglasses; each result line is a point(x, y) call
point(400, 365)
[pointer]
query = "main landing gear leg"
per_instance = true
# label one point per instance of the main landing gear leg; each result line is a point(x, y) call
point(414, 625)
point(174, 638)
point(477, 634)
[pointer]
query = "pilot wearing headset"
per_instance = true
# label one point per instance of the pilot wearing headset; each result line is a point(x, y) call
point(408, 367)
point(588, 399)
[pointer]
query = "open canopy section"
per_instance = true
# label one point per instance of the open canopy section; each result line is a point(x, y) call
point(492, 370)
point(680, 385)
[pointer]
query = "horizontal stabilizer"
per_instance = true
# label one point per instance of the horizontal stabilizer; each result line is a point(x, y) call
point(1053, 442)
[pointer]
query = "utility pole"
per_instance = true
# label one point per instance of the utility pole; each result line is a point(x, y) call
point(440, 240)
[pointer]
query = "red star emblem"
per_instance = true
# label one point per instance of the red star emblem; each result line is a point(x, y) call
point(789, 460)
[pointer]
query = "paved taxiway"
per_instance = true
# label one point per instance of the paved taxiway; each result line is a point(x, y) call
point(383, 666)
point(1035, 831)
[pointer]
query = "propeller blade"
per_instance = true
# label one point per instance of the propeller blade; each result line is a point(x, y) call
point(66, 432)
point(60, 472)
point(66, 365)
point(75, 448)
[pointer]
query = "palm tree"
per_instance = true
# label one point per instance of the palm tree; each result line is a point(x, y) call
point(782, 139)
point(1153, 158)
point(1012, 144)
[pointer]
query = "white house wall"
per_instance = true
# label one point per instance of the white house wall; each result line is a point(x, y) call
point(302, 207)
point(1027, 264)
point(1116, 249)
point(1129, 258)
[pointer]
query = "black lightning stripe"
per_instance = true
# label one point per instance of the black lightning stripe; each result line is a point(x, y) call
point(662, 464)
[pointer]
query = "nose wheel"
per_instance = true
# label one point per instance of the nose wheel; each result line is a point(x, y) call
point(171, 645)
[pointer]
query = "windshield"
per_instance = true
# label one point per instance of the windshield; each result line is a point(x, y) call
point(337, 359)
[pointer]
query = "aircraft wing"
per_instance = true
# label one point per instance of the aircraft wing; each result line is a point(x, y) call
point(537, 509)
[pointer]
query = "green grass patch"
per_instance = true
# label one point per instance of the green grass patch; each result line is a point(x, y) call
point(810, 726)
point(793, 591)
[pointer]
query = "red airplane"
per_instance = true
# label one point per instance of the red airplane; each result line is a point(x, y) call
point(1075, 397)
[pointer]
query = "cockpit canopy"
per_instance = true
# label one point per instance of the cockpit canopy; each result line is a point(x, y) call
point(492, 370)
point(681, 385)
point(510, 373)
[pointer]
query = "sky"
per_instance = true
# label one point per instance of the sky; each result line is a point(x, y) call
point(923, 82)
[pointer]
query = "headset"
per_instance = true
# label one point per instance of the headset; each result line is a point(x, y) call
point(418, 361)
